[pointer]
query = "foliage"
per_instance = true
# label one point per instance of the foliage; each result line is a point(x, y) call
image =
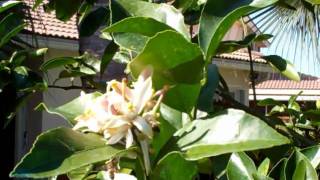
point(18, 81)
point(163, 123)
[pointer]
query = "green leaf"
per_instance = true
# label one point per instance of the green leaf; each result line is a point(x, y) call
point(318, 104)
point(220, 164)
point(293, 168)
point(262, 37)
point(313, 115)
point(229, 131)
point(131, 41)
point(162, 138)
point(4, 5)
point(173, 166)
point(10, 26)
point(205, 101)
point(283, 66)
point(80, 173)
point(313, 154)
point(313, 2)
point(72, 109)
point(161, 12)
point(269, 102)
point(57, 63)
point(300, 171)
point(278, 171)
point(184, 5)
point(264, 167)
point(230, 46)
point(293, 98)
point(107, 56)
point(90, 23)
point(62, 150)
point(217, 18)
point(26, 80)
point(142, 25)
point(171, 56)
point(183, 97)
point(174, 117)
point(240, 166)
point(66, 9)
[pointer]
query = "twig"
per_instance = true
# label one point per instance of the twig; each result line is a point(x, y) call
point(252, 78)
point(71, 87)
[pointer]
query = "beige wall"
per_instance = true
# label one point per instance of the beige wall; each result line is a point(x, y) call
point(237, 80)
point(56, 97)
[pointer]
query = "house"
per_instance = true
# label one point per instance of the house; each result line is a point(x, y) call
point(279, 88)
point(62, 39)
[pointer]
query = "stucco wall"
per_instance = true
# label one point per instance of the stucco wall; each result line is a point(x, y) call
point(55, 97)
point(237, 80)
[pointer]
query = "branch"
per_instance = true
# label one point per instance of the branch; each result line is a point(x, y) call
point(276, 124)
point(71, 87)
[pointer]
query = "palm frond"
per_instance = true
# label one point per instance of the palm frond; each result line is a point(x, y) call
point(296, 33)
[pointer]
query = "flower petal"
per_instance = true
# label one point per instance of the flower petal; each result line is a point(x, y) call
point(142, 93)
point(129, 139)
point(117, 176)
point(143, 126)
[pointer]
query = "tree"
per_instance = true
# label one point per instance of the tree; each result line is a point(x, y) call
point(160, 123)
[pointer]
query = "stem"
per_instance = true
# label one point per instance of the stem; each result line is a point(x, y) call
point(70, 87)
point(252, 78)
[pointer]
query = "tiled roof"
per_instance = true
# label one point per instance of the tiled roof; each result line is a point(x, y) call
point(242, 55)
point(47, 24)
point(278, 82)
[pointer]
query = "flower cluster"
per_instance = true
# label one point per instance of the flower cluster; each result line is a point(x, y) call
point(123, 109)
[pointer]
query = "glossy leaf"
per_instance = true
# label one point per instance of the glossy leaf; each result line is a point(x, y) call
point(10, 26)
point(130, 41)
point(173, 166)
point(57, 63)
point(283, 66)
point(141, 25)
point(205, 102)
point(80, 173)
point(160, 12)
point(4, 5)
point(313, 154)
point(318, 104)
point(183, 97)
point(314, 2)
point(300, 171)
point(108, 54)
point(171, 56)
point(184, 5)
point(278, 171)
point(61, 150)
point(72, 109)
point(217, 18)
point(90, 23)
point(229, 131)
point(66, 9)
point(240, 166)
point(269, 102)
point(263, 168)
point(295, 169)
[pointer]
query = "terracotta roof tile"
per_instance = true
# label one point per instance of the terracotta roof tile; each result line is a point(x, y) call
point(47, 24)
point(279, 82)
point(242, 55)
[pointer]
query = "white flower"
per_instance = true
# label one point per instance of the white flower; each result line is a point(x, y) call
point(121, 109)
point(117, 176)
